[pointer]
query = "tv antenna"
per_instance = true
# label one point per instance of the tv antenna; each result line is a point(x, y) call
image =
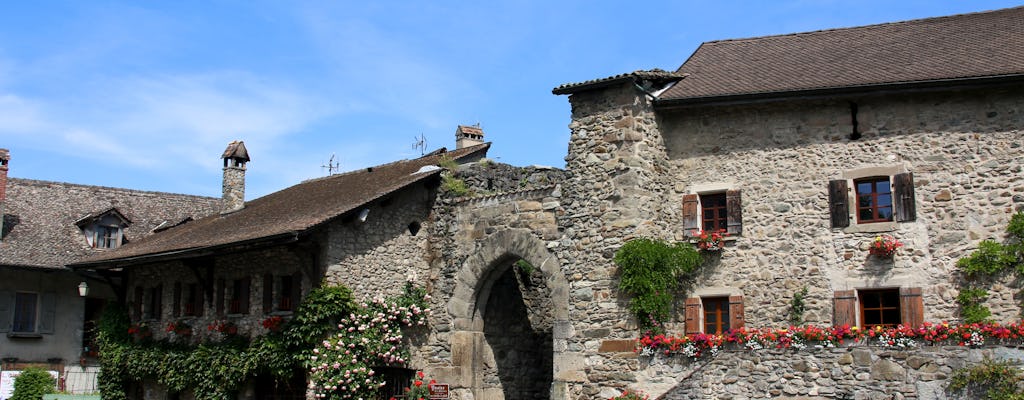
point(331, 166)
point(420, 143)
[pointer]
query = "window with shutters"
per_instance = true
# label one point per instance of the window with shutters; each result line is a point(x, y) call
point(713, 314)
point(872, 199)
point(886, 307)
point(25, 312)
point(714, 211)
point(193, 300)
point(239, 303)
point(154, 303)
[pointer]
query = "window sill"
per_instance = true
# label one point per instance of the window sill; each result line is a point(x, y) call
point(871, 227)
point(281, 313)
point(24, 335)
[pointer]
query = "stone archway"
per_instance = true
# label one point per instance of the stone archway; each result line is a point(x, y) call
point(501, 347)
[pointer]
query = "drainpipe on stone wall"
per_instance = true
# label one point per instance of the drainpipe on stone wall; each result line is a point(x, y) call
point(5, 157)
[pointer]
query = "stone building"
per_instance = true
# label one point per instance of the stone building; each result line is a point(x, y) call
point(804, 148)
point(47, 311)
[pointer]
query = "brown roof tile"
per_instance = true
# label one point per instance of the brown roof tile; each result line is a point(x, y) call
point(289, 211)
point(653, 75)
point(966, 46)
point(40, 218)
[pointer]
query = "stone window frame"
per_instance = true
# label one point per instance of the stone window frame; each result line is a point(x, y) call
point(847, 309)
point(843, 198)
point(694, 312)
point(692, 212)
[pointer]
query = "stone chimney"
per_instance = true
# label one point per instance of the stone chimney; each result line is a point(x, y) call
point(468, 135)
point(5, 156)
point(235, 157)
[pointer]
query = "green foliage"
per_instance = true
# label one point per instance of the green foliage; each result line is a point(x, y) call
point(215, 370)
point(32, 383)
point(447, 163)
point(971, 309)
point(797, 307)
point(454, 185)
point(990, 258)
point(524, 266)
point(650, 272)
point(988, 379)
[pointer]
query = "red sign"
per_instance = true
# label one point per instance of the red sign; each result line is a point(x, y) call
point(438, 391)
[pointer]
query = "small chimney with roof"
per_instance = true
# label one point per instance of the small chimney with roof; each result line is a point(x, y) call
point(468, 135)
point(235, 157)
point(5, 156)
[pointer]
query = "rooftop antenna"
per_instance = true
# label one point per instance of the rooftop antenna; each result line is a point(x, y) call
point(420, 143)
point(331, 166)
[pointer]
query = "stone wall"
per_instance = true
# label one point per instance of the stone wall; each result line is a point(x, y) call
point(629, 167)
point(858, 372)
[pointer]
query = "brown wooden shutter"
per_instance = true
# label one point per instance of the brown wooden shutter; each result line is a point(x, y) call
point(734, 210)
point(268, 293)
point(243, 298)
point(176, 300)
point(137, 306)
point(691, 220)
point(692, 314)
point(218, 298)
point(735, 312)
point(838, 206)
point(903, 190)
point(911, 306)
point(844, 308)
point(296, 290)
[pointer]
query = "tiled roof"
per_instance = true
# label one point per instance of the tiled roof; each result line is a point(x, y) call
point(40, 228)
point(958, 47)
point(290, 211)
point(653, 75)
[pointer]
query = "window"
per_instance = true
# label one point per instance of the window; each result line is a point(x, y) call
point(716, 315)
point(193, 303)
point(285, 300)
point(396, 380)
point(105, 229)
point(713, 314)
point(880, 197)
point(874, 200)
point(713, 211)
point(154, 306)
point(239, 297)
point(880, 308)
point(25, 312)
point(106, 237)
point(885, 307)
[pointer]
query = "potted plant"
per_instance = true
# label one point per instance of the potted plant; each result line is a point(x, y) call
point(709, 241)
point(884, 246)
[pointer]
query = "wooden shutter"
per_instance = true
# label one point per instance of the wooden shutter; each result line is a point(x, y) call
point(268, 293)
point(844, 308)
point(176, 300)
point(838, 203)
point(735, 312)
point(692, 315)
point(296, 290)
point(691, 220)
point(904, 205)
point(734, 210)
point(218, 297)
point(6, 310)
point(48, 313)
point(911, 307)
point(137, 307)
point(243, 297)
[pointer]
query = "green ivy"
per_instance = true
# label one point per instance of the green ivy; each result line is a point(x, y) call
point(216, 370)
point(997, 380)
point(32, 383)
point(797, 306)
point(650, 272)
point(989, 259)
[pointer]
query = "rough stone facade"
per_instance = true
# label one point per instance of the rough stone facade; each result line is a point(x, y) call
point(630, 164)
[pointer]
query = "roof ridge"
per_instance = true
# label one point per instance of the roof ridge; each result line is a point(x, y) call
point(878, 25)
point(38, 182)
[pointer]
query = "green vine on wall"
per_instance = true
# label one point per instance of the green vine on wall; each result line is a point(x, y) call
point(996, 380)
point(216, 370)
point(797, 307)
point(989, 259)
point(650, 273)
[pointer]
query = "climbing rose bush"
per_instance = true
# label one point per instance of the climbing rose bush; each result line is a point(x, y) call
point(798, 338)
point(342, 366)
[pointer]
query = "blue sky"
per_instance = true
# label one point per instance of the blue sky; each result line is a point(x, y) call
point(147, 94)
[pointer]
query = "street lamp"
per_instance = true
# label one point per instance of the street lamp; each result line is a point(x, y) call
point(83, 289)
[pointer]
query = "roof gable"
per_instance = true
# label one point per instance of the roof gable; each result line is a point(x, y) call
point(959, 47)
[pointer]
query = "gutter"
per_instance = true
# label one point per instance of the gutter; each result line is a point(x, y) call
point(806, 94)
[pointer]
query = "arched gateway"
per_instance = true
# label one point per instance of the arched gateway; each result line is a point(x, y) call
point(511, 319)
